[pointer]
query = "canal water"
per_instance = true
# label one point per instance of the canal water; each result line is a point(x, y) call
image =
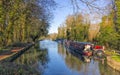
point(50, 58)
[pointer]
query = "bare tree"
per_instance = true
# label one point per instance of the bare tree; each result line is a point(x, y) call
point(93, 5)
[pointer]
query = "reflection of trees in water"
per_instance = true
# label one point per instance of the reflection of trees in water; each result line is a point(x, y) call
point(61, 50)
point(71, 61)
point(106, 70)
point(33, 56)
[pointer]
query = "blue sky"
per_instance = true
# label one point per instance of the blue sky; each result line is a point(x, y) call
point(62, 11)
point(65, 8)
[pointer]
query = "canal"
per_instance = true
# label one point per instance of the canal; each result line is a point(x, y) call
point(50, 58)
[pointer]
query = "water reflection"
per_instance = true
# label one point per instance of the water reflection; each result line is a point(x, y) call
point(75, 63)
point(35, 57)
point(54, 59)
point(72, 62)
point(107, 70)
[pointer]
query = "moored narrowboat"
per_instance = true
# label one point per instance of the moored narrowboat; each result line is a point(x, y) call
point(83, 48)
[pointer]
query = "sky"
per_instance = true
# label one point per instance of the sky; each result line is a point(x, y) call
point(62, 11)
point(65, 8)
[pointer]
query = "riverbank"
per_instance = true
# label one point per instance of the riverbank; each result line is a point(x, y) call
point(113, 60)
point(113, 63)
point(8, 67)
point(15, 50)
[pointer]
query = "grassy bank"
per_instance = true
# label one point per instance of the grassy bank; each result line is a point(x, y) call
point(116, 58)
point(113, 59)
point(110, 53)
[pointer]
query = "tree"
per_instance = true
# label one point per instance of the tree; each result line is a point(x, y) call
point(24, 20)
point(115, 29)
point(75, 28)
point(107, 35)
point(117, 20)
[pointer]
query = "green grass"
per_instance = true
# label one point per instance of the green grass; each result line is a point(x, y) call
point(116, 58)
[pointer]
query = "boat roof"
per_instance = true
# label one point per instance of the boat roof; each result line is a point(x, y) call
point(84, 42)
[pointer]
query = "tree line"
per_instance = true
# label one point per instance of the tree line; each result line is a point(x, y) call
point(24, 20)
point(75, 28)
point(107, 32)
